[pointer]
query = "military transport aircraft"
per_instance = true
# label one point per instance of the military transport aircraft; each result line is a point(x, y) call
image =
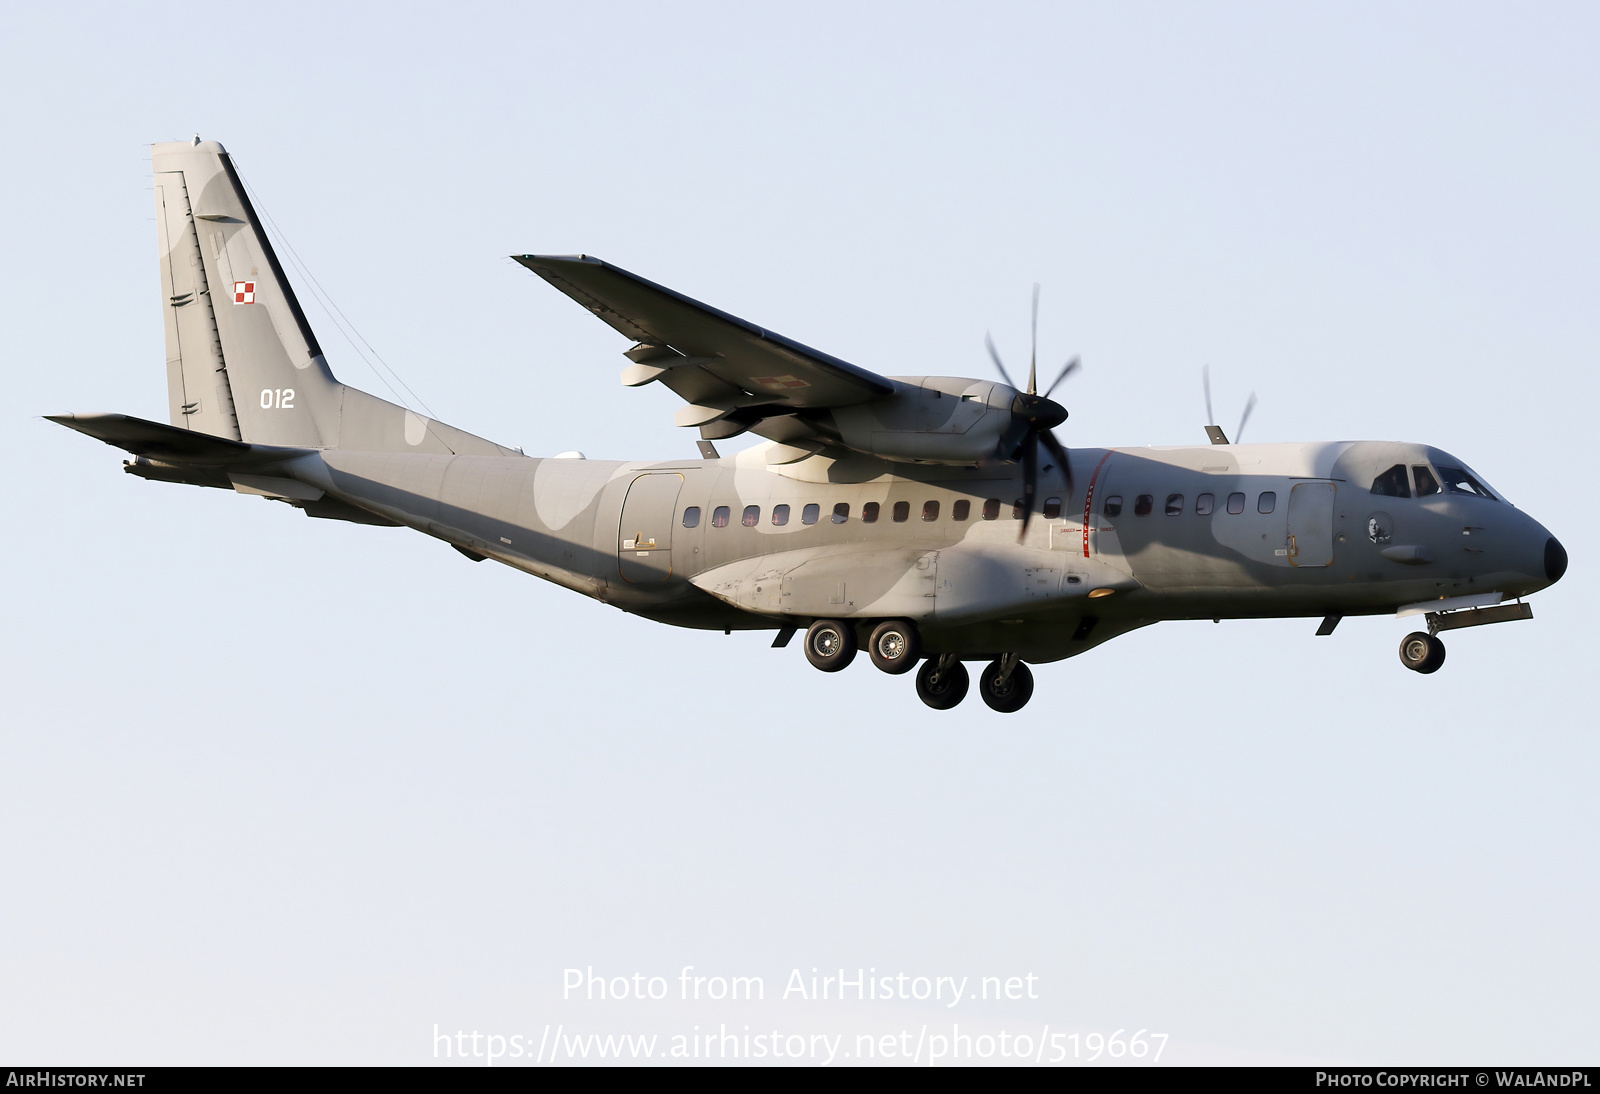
point(933, 520)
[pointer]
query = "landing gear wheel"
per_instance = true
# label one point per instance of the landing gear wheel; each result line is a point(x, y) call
point(830, 644)
point(1007, 694)
point(1421, 652)
point(895, 646)
point(942, 687)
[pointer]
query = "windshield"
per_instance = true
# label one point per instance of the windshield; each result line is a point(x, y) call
point(1458, 480)
point(1456, 477)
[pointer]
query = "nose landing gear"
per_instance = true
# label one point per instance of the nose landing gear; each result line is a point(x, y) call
point(1421, 652)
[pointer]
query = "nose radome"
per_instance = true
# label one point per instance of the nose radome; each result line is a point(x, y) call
point(1555, 560)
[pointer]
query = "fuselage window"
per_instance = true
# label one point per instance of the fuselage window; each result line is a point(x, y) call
point(869, 513)
point(930, 510)
point(1174, 505)
point(691, 517)
point(1267, 502)
point(902, 512)
point(1393, 483)
point(1017, 509)
point(780, 515)
point(961, 510)
point(1113, 506)
point(1426, 483)
point(1235, 504)
point(1052, 508)
point(752, 516)
point(809, 514)
point(1457, 481)
point(991, 509)
point(841, 512)
point(1143, 504)
point(719, 517)
point(1204, 504)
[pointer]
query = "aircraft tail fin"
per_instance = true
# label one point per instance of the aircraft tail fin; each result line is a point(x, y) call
point(242, 361)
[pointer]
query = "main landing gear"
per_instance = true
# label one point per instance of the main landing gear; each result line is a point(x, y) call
point(1421, 652)
point(894, 645)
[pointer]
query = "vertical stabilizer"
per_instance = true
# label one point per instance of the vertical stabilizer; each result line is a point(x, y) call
point(242, 361)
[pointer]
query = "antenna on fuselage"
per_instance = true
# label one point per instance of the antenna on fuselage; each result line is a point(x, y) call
point(1213, 431)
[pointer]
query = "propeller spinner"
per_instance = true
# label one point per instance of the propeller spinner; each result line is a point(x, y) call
point(1038, 414)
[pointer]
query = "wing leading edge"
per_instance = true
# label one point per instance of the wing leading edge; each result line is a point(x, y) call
point(734, 374)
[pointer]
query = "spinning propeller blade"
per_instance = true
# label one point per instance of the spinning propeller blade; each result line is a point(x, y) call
point(1250, 404)
point(1038, 416)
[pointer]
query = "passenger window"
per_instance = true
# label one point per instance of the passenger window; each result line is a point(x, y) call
point(752, 516)
point(991, 509)
point(1113, 506)
point(1267, 502)
point(1052, 508)
point(1235, 504)
point(1174, 505)
point(1017, 509)
point(1426, 483)
point(1393, 483)
point(869, 513)
point(719, 517)
point(841, 512)
point(809, 514)
point(902, 512)
point(780, 515)
point(1143, 504)
point(930, 510)
point(961, 510)
point(1204, 504)
point(1458, 481)
point(691, 517)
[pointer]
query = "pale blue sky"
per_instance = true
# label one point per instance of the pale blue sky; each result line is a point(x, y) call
point(276, 790)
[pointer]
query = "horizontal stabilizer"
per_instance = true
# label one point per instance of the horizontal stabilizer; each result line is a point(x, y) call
point(170, 444)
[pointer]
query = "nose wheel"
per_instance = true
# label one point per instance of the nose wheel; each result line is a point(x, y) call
point(1421, 652)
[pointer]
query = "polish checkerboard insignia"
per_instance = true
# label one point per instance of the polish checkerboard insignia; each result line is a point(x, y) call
point(244, 292)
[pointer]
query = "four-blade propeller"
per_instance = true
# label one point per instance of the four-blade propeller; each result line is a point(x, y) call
point(1036, 416)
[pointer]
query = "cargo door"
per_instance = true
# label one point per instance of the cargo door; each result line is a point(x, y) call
point(1311, 524)
point(644, 539)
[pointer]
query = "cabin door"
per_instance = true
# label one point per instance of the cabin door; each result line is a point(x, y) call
point(1311, 524)
point(644, 540)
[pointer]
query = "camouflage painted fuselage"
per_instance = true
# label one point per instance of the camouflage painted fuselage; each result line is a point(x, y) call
point(618, 532)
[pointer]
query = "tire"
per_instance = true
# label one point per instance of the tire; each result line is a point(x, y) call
point(895, 646)
point(1421, 652)
point(830, 644)
point(1010, 697)
point(950, 689)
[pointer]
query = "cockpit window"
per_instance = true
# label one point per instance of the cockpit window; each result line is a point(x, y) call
point(1458, 481)
point(1426, 483)
point(1393, 483)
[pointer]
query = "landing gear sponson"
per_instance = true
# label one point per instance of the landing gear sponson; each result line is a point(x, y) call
point(895, 647)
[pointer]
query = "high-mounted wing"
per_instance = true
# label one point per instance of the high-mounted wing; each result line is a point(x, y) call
point(734, 374)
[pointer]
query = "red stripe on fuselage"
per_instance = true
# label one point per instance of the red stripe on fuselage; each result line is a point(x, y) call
point(1088, 500)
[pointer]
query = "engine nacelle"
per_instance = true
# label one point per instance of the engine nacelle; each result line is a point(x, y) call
point(933, 419)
